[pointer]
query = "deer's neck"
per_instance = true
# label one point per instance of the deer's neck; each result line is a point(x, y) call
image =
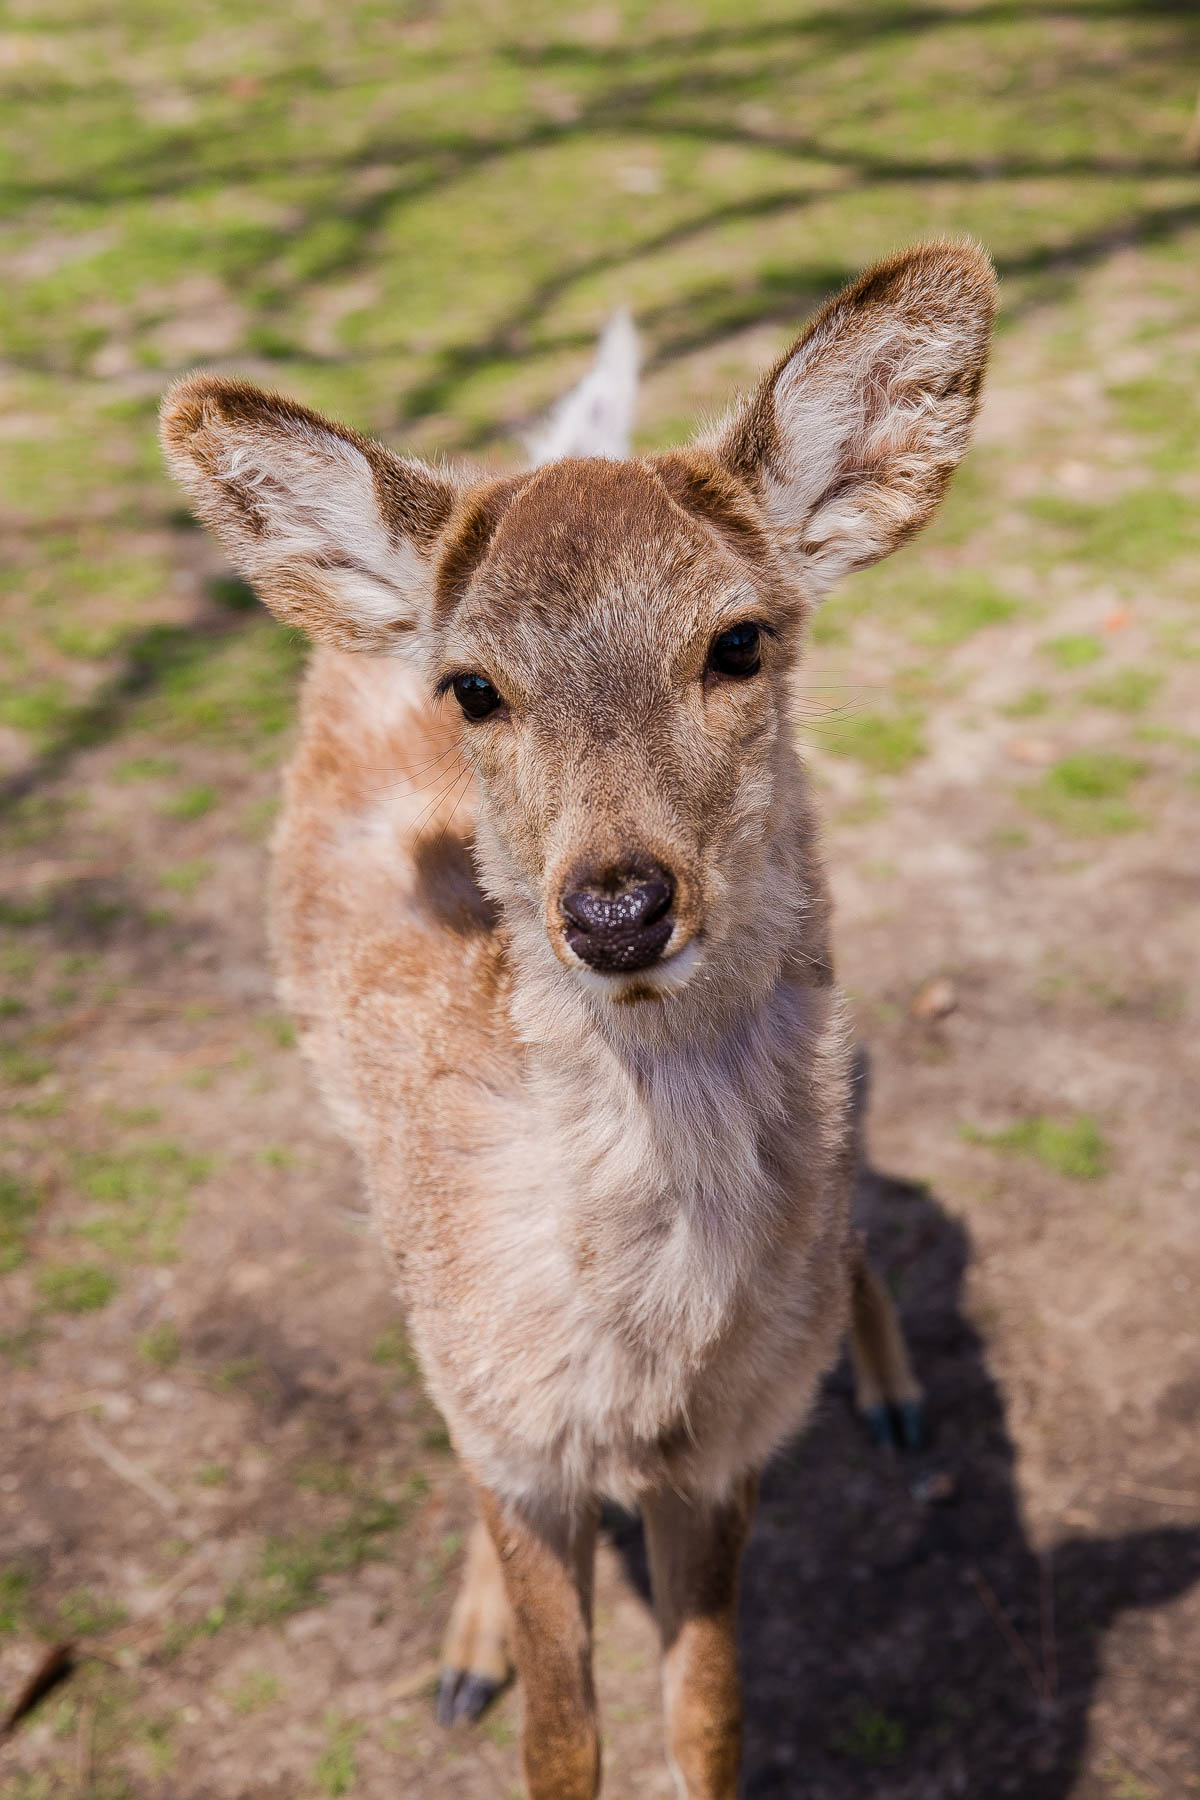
point(673, 1124)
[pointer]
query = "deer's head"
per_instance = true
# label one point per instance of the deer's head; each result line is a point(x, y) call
point(618, 635)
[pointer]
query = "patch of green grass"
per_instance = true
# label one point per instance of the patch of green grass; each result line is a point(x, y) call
point(87, 643)
point(960, 607)
point(19, 1346)
point(186, 877)
point(76, 1287)
point(1074, 651)
point(192, 803)
point(146, 768)
point(141, 1198)
point(14, 1592)
point(1095, 775)
point(336, 1769)
point(212, 1474)
point(181, 1634)
point(277, 1156)
point(1085, 794)
point(41, 711)
point(18, 1206)
point(498, 1730)
point(235, 689)
point(1074, 1147)
point(24, 912)
point(160, 1346)
point(279, 1029)
point(130, 1117)
point(392, 1349)
point(254, 1692)
point(870, 1736)
point(1142, 530)
point(20, 1068)
point(156, 1736)
point(1126, 691)
point(291, 1568)
point(885, 743)
point(37, 819)
point(237, 1373)
point(228, 591)
point(84, 1613)
point(1029, 705)
point(323, 1477)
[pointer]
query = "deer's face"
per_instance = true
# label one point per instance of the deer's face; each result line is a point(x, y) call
point(617, 635)
point(619, 655)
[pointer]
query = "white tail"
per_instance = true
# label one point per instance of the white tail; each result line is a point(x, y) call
point(596, 417)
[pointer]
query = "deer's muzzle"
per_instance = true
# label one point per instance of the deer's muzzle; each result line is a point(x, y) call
point(621, 922)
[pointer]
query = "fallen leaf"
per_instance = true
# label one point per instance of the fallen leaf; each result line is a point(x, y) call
point(1031, 750)
point(934, 999)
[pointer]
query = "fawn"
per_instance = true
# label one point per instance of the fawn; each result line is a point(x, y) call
point(548, 906)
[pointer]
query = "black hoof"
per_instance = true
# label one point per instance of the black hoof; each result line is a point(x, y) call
point(878, 1421)
point(910, 1416)
point(464, 1696)
point(447, 1692)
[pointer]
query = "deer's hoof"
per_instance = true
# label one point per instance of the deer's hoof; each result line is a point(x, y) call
point(910, 1417)
point(896, 1425)
point(462, 1695)
point(878, 1421)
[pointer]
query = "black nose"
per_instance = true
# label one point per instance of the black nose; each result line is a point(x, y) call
point(623, 922)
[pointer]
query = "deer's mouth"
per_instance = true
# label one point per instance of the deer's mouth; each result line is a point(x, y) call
point(667, 975)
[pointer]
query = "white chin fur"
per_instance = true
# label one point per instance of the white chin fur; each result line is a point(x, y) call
point(663, 978)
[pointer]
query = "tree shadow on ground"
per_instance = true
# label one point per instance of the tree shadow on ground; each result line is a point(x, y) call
point(900, 1634)
point(149, 657)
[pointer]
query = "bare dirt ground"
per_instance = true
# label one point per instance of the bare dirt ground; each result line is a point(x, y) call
point(219, 1476)
point(227, 1484)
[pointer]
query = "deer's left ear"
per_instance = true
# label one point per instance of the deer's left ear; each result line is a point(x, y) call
point(850, 441)
point(336, 532)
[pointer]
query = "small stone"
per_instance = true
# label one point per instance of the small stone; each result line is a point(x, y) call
point(934, 999)
point(640, 178)
point(935, 1489)
point(1031, 750)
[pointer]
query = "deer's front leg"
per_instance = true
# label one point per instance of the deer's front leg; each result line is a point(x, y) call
point(695, 1549)
point(547, 1562)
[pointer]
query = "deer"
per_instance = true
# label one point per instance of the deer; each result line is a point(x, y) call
point(549, 909)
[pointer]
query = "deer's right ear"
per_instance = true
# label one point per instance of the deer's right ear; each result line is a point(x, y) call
point(852, 438)
point(335, 532)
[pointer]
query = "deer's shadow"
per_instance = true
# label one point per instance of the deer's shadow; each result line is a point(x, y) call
point(900, 1635)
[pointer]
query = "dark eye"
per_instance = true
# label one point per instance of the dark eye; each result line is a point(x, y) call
point(736, 652)
point(476, 696)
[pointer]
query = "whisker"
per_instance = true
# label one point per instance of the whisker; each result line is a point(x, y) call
point(427, 812)
point(409, 781)
point(458, 802)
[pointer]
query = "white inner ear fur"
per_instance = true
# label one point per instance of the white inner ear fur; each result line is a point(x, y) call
point(316, 496)
point(865, 422)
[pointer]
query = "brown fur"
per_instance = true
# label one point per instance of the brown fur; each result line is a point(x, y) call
point(617, 1206)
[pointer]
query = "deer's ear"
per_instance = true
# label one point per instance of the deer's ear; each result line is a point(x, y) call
point(851, 439)
point(335, 532)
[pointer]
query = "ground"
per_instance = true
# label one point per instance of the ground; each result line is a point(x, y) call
point(220, 1477)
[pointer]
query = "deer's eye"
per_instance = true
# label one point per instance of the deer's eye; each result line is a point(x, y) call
point(476, 696)
point(736, 653)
